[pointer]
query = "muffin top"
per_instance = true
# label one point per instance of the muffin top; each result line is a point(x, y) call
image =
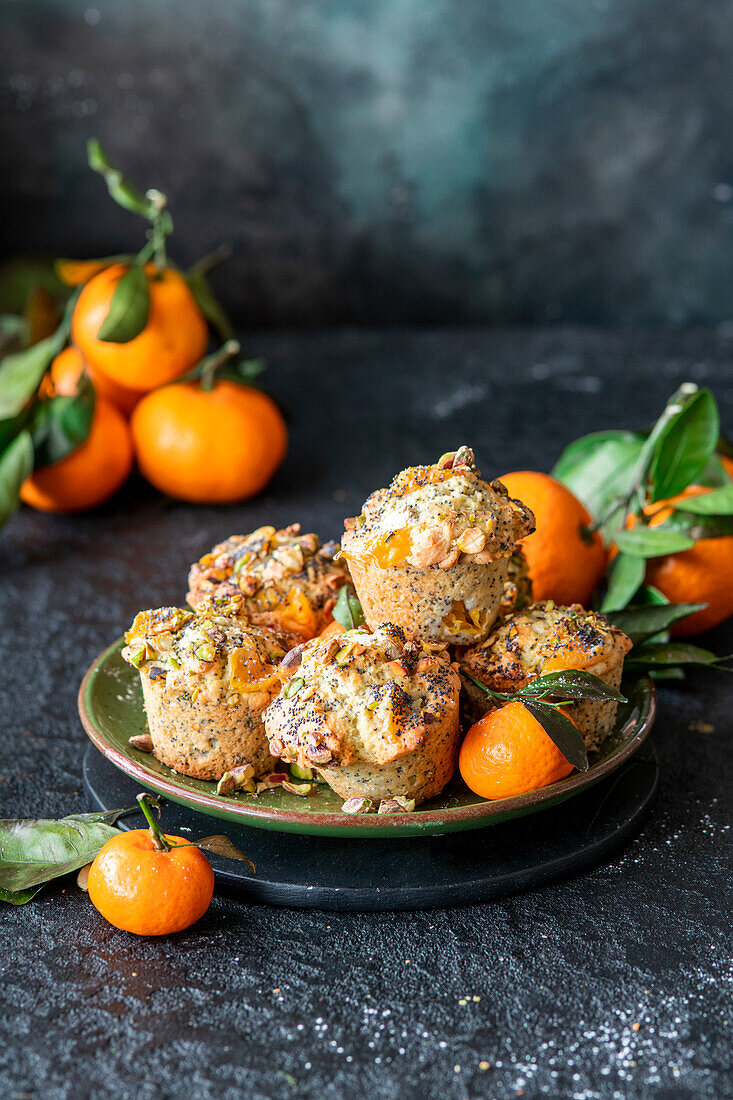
point(288, 580)
point(439, 515)
point(360, 696)
point(216, 656)
point(542, 638)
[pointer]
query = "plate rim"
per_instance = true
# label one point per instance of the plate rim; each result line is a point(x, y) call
point(273, 817)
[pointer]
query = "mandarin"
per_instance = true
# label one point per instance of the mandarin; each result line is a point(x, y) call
point(507, 753)
point(173, 341)
point(212, 446)
point(151, 892)
point(565, 564)
point(66, 370)
point(90, 473)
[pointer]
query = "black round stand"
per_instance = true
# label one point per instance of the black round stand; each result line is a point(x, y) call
point(415, 873)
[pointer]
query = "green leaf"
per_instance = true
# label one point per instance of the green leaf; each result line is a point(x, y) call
point(652, 542)
point(624, 578)
point(19, 897)
point(561, 731)
point(641, 623)
point(33, 851)
point(719, 502)
point(601, 471)
point(570, 683)
point(129, 308)
point(61, 424)
point(685, 447)
point(16, 464)
point(699, 527)
point(348, 611)
point(21, 373)
point(209, 304)
point(123, 193)
point(672, 654)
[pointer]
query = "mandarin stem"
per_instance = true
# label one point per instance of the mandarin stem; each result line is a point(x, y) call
point(159, 841)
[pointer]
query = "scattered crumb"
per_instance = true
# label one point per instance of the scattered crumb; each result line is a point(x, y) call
point(701, 727)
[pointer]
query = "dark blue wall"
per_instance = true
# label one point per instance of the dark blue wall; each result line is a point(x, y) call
point(376, 160)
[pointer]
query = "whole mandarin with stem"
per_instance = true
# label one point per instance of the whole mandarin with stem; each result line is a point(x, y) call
point(565, 561)
point(209, 441)
point(90, 473)
point(152, 884)
point(171, 343)
point(507, 753)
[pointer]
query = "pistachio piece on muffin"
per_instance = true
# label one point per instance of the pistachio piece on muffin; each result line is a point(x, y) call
point(545, 638)
point(206, 680)
point(431, 552)
point(375, 715)
point(290, 582)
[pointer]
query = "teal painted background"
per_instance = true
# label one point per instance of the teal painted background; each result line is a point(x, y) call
point(391, 160)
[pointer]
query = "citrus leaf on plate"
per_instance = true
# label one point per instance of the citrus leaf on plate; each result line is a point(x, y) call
point(565, 735)
point(21, 373)
point(602, 474)
point(129, 309)
point(570, 684)
point(19, 897)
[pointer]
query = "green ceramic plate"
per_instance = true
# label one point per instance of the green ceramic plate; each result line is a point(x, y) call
point(110, 706)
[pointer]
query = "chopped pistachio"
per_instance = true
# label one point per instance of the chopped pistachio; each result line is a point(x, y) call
point(298, 788)
point(301, 773)
point(195, 694)
point(138, 656)
point(174, 662)
point(225, 784)
point(293, 687)
point(205, 652)
point(357, 806)
point(397, 805)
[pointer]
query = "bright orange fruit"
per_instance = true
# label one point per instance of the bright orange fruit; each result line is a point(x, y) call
point(140, 889)
point(507, 753)
point(565, 565)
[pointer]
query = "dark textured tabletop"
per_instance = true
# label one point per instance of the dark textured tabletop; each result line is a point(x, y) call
point(613, 984)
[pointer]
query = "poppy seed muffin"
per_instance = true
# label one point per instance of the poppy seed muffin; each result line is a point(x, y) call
point(544, 638)
point(431, 552)
point(206, 680)
point(289, 581)
point(377, 716)
point(517, 591)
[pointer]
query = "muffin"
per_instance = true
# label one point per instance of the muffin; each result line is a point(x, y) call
point(517, 591)
point(377, 716)
point(431, 552)
point(544, 638)
point(289, 581)
point(206, 680)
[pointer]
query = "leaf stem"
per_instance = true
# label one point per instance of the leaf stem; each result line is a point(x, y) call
point(212, 363)
point(159, 841)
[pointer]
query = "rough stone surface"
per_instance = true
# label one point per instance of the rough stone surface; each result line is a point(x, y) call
point(616, 984)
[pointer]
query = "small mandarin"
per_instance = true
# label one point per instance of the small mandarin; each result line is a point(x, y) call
point(66, 370)
point(173, 341)
point(91, 473)
point(212, 446)
point(507, 753)
point(141, 889)
point(702, 574)
point(565, 564)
